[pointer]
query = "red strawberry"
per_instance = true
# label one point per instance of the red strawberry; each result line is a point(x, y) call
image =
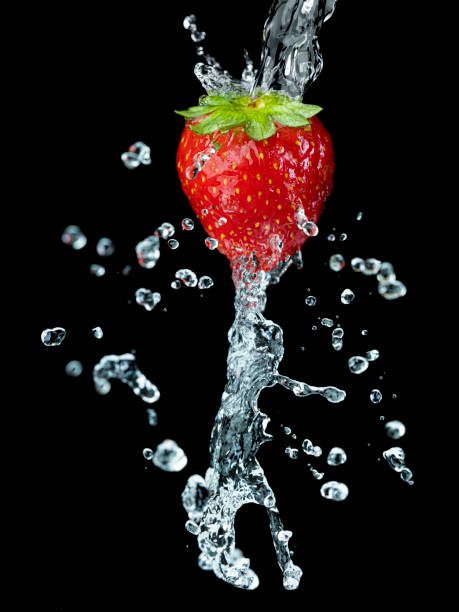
point(256, 172)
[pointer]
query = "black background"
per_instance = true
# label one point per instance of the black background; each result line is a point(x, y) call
point(109, 525)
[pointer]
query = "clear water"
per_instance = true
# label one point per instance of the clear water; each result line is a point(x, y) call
point(235, 477)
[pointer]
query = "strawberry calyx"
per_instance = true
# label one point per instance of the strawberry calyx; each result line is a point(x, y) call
point(257, 114)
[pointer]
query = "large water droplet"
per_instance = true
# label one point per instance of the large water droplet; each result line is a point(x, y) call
point(169, 456)
point(74, 237)
point(53, 336)
point(357, 364)
point(336, 491)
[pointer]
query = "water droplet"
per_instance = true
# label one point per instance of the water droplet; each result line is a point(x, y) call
point(406, 474)
point(359, 216)
point(343, 237)
point(372, 355)
point(126, 270)
point(211, 243)
point(284, 535)
point(192, 527)
point(173, 244)
point(287, 431)
point(188, 277)
point(327, 322)
point(105, 247)
point(97, 332)
point(53, 336)
point(221, 222)
point(97, 270)
point(148, 453)
point(124, 368)
point(338, 333)
point(165, 231)
point(357, 264)
point(314, 327)
point(392, 290)
point(331, 237)
point(187, 224)
point(336, 262)
point(152, 417)
point(375, 396)
point(74, 368)
point(74, 237)
point(176, 284)
point(317, 475)
point(310, 300)
point(371, 266)
point(269, 500)
point(291, 452)
point(138, 153)
point(292, 577)
point(364, 332)
point(336, 456)
point(148, 252)
point(395, 429)
point(204, 212)
point(386, 273)
point(146, 298)
point(189, 21)
point(337, 491)
point(395, 457)
point(347, 296)
point(310, 228)
point(169, 456)
point(357, 364)
point(308, 447)
point(337, 338)
point(205, 282)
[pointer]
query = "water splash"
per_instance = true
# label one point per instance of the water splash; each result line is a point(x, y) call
point(124, 368)
point(291, 58)
point(235, 477)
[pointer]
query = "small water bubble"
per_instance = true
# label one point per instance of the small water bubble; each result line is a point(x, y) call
point(395, 457)
point(336, 491)
point(336, 456)
point(294, 436)
point(338, 333)
point(176, 284)
point(327, 322)
point(192, 527)
point(347, 296)
point(170, 457)
point(357, 264)
point(97, 270)
point(406, 474)
point(394, 395)
point(148, 453)
point(359, 216)
point(221, 222)
point(204, 212)
point(165, 230)
point(105, 247)
point(147, 252)
point(187, 224)
point(284, 535)
point(375, 396)
point(308, 447)
point(74, 368)
point(371, 266)
point(173, 244)
point(331, 237)
point(152, 416)
point(382, 418)
point(357, 364)
point(386, 273)
point(74, 237)
point(314, 327)
point(287, 431)
point(310, 228)
point(188, 277)
point(205, 282)
point(147, 298)
point(53, 336)
point(336, 262)
point(211, 243)
point(291, 452)
point(317, 475)
point(310, 300)
point(364, 332)
point(372, 355)
point(138, 153)
point(392, 290)
point(343, 237)
point(395, 429)
point(97, 332)
point(269, 501)
point(199, 51)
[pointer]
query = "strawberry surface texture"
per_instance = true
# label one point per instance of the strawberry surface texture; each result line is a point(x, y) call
point(255, 183)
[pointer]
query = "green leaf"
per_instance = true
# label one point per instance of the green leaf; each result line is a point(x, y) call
point(221, 119)
point(308, 110)
point(286, 116)
point(195, 111)
point(260, 127)
point(216, 101)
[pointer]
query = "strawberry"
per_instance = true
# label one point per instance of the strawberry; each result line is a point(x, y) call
point(256, 171)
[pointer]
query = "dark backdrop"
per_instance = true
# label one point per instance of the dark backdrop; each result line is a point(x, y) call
point(110, 526)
